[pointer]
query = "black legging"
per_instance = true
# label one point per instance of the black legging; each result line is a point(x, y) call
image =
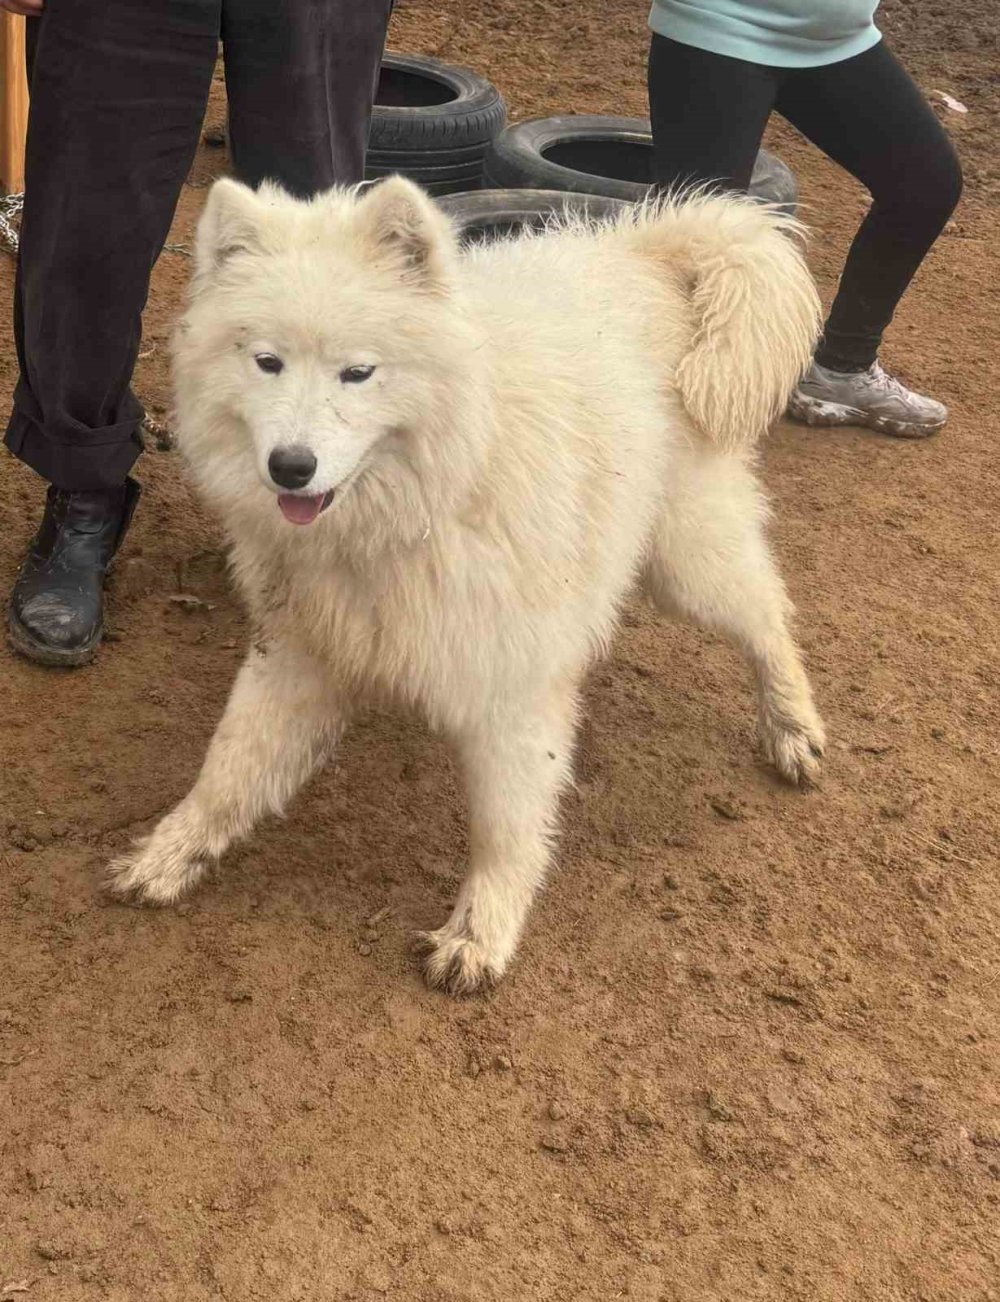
point(709, 113)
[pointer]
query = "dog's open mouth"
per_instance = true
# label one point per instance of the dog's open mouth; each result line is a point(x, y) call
point(300, 508)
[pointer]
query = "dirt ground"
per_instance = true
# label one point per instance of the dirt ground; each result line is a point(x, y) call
point(749, 1049)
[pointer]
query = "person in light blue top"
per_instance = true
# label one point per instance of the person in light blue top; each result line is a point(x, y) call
point(781, 34)
point(717, 70)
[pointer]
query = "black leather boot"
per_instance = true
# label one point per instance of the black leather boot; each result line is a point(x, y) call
point(56, 613)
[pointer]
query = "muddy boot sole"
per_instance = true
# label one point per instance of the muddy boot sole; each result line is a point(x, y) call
point(26, 645)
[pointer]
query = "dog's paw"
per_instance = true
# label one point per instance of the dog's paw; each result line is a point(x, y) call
point(795, 747)
point(147, 876)
point(456, 962)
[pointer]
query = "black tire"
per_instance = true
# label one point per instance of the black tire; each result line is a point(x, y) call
point(602, 155)
point(443, 189)
point(469, 154)
point(472, 173)
point(498, 214)
point(423, 105)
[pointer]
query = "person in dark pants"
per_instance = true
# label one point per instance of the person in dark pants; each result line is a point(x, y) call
point(118, 93)
point(717, 70)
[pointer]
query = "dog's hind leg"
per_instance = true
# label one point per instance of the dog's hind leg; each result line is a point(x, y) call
point(281, 721)
point(515, 767)
point(709, 562)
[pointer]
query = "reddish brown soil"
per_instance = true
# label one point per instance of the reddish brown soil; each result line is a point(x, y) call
point(749, 1050)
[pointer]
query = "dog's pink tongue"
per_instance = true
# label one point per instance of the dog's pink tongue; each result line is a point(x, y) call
point(300, 510)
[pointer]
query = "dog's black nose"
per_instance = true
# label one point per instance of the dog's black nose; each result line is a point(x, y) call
point(291, 467)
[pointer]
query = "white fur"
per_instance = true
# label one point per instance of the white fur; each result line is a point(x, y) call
point(550, 420)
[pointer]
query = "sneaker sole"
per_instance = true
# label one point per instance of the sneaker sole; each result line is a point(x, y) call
point(22, 642)
point(816, 412)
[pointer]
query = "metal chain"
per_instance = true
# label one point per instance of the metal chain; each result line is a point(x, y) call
point(10, 207)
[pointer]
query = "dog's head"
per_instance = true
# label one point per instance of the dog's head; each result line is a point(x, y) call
point(322, 346)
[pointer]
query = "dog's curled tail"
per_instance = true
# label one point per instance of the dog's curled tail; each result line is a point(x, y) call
point(755, 307)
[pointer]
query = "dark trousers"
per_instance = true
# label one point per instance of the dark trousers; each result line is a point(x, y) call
point(709, 113)
point(118, 92)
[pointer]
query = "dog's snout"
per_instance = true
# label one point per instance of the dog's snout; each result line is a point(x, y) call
point(291, 467)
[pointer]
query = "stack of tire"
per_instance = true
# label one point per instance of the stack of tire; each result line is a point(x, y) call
point(445, 128)
point(433, 123)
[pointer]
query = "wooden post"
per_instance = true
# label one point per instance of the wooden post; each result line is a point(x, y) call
point(13, 104)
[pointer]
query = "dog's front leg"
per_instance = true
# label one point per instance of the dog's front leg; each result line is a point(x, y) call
point(515, 766)
point(282, 719)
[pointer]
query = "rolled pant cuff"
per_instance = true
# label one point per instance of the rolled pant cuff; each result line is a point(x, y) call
point(101, 461)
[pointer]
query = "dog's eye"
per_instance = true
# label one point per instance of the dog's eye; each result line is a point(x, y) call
point(270, 364)
point(356, 374)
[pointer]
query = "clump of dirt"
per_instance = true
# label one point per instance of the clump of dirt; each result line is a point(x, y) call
point(749, 1048)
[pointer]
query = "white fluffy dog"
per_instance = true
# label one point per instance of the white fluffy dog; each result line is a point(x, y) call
point(441, 473)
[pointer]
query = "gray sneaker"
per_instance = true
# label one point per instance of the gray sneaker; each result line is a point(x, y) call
point(870, 398)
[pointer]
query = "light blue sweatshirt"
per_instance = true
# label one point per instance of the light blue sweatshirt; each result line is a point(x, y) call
point(779, 33)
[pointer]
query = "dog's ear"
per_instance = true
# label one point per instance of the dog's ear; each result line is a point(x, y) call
point(230, 223)
point(403, 227)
